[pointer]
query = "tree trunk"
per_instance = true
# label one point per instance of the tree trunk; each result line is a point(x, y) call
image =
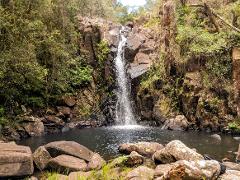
point(235, 19)
point(168, 34)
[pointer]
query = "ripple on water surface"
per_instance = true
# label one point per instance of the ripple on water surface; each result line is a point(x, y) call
point(106, 140)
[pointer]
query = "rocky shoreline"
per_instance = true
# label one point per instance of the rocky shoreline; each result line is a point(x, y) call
point(69, 160)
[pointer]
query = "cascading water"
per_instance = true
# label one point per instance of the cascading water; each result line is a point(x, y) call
point(124, 112)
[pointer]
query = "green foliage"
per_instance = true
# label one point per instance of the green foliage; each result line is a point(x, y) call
point(234, 126)
point(195, 41)
point(153, 22)
point(79, 73)
point(39, 46)
point(102, 52)
point(3, 119)
point(155, 73)
point(220, 65)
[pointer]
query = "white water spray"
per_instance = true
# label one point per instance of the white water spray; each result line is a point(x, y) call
point(124, 113)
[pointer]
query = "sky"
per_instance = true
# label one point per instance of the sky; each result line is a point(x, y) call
point(133, 2)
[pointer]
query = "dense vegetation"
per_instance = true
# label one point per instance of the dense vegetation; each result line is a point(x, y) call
point(201, 45)
point(40, 57)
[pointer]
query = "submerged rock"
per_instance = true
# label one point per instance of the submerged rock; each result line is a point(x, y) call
point(174, 151)
point(69, 148)
point(66, 163)
point(238, 154)
point(179, 123)
point(143, 148)
point(15, 160)
point(216, 137)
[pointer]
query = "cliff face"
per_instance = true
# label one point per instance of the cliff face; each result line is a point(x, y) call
point(203, 87)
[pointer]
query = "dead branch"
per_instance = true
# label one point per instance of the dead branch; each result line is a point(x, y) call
point(217, 16)
point(211, 17)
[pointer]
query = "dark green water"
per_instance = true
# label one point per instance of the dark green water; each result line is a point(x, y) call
point(106, 140)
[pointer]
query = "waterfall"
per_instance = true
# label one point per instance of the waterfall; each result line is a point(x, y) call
point(124, 112)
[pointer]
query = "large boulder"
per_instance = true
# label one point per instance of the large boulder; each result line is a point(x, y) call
point(142, 58)
point(69, 148)
point(10, 133)
point(41, 157)
point(34, 128)
point(230, 175)
point(64, 111)
point(134, 43)
point(176, 150)
point(163, 156)
point(143, 148)
point(163, 169)
point(140, 173)
point(231, 166)
point(69, 101)
point(134, 159)
point(202, 169)
point(137, 70)
point(96, 162)
point(216, 137)
point(112, 36)
point(15, 160)
point(53, 120)
point(66, 163)
point(180, 123)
